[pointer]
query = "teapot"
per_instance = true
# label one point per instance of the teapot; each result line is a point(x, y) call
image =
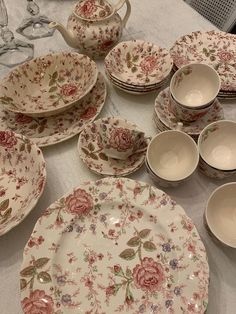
point(94, 26)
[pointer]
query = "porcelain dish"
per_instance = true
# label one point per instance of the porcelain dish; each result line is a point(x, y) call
point(55, 129)
point(48, 85)
point(220, 214)
point(217, 149)
point(172, 156)
point(195, 86)
point(114, 245)
point(91, 150)
point(138, 63)
point(22, 178)
point(214, 48)
point(164, 112)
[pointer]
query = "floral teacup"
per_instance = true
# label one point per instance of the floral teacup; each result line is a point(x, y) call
point(119, 141)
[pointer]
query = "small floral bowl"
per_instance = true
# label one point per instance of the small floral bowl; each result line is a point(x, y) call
point(195, 86)
point(48, 85)
point(220, 214)
point(138, 63)
point(217, 148)
point(172, 157)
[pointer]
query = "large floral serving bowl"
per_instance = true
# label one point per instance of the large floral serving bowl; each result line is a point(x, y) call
point(138, 63)
point(22, 178)
point(48, 85)
point(114, 246)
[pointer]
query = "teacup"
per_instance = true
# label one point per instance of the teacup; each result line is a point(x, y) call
point(194, 88)
point(220, 214)
point(120, 140)
point(217, 149)
point(187, 114)
point(172, 157)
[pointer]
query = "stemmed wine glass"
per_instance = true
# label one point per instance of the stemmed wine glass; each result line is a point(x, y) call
point(13, 51)
point(36, 26)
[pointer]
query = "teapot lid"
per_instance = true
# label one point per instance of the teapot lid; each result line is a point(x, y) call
point(93, 10)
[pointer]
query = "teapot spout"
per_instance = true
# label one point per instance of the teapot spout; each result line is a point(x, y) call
point(66, 34)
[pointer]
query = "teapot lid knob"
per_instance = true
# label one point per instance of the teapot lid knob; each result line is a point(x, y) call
point(93, 10)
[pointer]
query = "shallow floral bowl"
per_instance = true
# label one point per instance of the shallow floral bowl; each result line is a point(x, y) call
point(138, 63)
point(22, 178)
point(195, 86)
point(48, 85)
point(217, 148)
point(172, 156)
point(220, 214)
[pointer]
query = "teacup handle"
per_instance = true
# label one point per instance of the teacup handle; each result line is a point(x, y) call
point(144, 148)
point(179, 126)
point(128, 10)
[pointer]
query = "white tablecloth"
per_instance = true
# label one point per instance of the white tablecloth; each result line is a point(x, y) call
point(162, 22)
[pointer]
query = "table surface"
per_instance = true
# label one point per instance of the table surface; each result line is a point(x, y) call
point(161, 22)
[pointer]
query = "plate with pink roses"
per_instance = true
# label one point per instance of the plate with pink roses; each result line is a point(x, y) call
point(114, 246)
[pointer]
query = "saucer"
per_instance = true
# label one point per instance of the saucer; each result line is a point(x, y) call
point(167, 117)
point(91, 152)
point(55, 129)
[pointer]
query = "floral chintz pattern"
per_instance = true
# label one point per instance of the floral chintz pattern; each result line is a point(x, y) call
point(51, 130)
point(96, 40)
point(114, 238)
point(36, 89)
point(167, 114)
point(214, 48)
point(93, 9)
point(139, 63)
point(91, 148)
point(22, 178)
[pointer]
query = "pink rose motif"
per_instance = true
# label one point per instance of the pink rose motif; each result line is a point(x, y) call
point(149, 276)
point(121, 139)
point(225, 55)
point(148, 64)
point(110, 290)
point(21, 118)
point(7, 139)
point(79, 203)
point(37, 303)
point(68, 89)
point(87, 8)
point(89, 113)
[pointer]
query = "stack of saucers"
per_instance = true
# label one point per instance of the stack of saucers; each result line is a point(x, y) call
point(138, 67)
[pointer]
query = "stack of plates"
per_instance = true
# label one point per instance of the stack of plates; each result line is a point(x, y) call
point(214, 48)
point(138, 67)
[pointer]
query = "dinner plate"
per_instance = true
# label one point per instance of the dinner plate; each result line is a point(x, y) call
point(166, 115)
point(114, 246)
point(52, 130)
point(215, 48)
point(22, 178)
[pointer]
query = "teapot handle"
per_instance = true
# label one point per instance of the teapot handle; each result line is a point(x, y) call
point(128, 10)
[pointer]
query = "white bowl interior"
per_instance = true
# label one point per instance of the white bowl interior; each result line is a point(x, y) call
point(218, 147)
point(49, 82)
point(195, 85)
point(172, 155)
point(221, 213)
